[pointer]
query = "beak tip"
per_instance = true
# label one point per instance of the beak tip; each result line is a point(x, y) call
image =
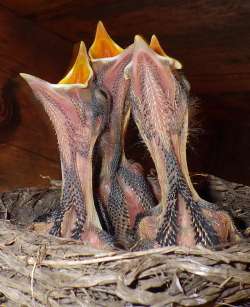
point(27, 77)
point(24, 75)
point(103, 45)
point(179, 65)
point(81, 71)
point(138, 38)
point(82, 45)
point(140, 43)
point(100, 24)
point(101, 30)
point(153, 37)
point(82, 49)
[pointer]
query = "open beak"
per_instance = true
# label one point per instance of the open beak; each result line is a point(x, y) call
point(81, 72)
point(67, 104)
point(103, 45)
point(108, 61)
point(155, 45)
point(52, 95)
point(57, 98)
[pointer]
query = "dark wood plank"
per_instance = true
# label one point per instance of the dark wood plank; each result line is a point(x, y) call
point(20, 168)
point(28, 144)
point(221, 144)
point(46, 8)
point(210, 37)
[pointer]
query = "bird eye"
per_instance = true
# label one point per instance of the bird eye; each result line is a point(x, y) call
point(100, 103)
point(101, 94)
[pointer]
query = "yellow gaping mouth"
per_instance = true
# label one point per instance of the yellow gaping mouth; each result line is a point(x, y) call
point(103, 45)
point(81, 71)
point(155, 45)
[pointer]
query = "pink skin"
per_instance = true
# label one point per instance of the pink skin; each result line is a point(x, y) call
point(133, 202)
point(145, 70)
point(70, 110)
point(110, 77)
point(159, 104)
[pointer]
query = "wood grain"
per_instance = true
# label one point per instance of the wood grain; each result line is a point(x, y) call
point(209, 37)
point(28, 144)
point(220, 143)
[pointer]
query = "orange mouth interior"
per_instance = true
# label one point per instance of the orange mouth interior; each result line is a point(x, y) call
point(103, 45)
point(81, 71)
point(156, 46)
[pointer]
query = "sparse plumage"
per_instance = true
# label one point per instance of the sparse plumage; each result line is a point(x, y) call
point(123, 191)
point(159, 98)
point(91, 106)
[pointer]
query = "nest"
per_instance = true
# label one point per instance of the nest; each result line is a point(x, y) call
point(48, 271)
point(37, 270)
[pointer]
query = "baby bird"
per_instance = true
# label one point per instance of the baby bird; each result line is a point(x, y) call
point(159, 96)
point(78, 110)
point(123, 192)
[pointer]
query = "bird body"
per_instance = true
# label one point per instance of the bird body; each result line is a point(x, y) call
point(159, 98)
point(78, 112)
point(90, 109)
point(123, 191)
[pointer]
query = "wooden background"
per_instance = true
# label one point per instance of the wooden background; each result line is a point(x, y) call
point(210, 38)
